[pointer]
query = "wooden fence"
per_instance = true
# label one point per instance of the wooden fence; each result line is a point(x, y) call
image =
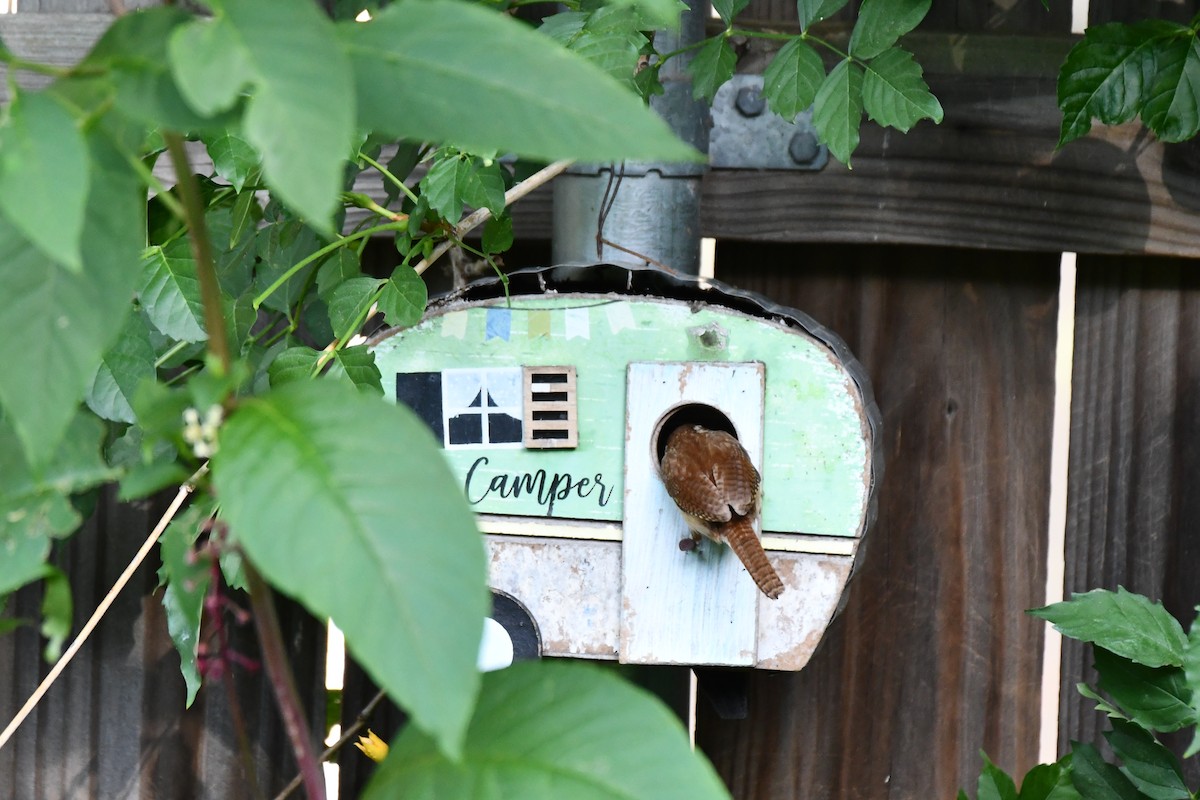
point(937, 260)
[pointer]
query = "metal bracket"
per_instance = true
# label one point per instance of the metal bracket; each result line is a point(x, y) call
point(747, 135)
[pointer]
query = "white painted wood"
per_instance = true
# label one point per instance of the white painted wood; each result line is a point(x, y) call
point(790, 628)
point(1056, 529)
point(697, 607)
point(550, 528)
point(570, 587)
point(792, 543)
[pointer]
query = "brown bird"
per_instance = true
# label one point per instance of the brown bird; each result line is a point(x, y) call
point(710, 477)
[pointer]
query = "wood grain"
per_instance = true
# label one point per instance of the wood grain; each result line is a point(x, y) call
point(114, 725)
point(932, 657)
point(1133, 517)
point(989, 177)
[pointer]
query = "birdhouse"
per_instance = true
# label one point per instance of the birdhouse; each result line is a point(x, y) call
point(554, 398)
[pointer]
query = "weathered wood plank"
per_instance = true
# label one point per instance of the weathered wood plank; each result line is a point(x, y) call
point(932, 657)
point(56, 39)
point(964, 16)
point(1102, 11)
point(1133, 517)
point(988, 177)
point(114, 725)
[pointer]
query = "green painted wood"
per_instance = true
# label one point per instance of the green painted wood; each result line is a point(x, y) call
point(816, 436)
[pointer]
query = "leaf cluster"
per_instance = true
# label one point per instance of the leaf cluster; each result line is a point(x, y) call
point(875, 75)
point(215, 323)
point(1149, 683)
point(1150, 68)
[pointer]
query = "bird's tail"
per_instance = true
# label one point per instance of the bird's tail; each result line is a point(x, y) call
point(741, 537)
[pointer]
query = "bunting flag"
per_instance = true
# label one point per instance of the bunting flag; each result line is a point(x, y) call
point(499, 324)
point(577, 323)
point(619, 316)
point(454, 325)
point(539, 323)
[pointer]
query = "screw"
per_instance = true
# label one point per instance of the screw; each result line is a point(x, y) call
point(804, 147)
point(749, 102)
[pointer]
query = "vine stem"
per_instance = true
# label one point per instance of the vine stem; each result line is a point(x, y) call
point(206, 271)
point(35, 698)
point(347, 737)
point(399, 184)
point(283, 683)
point(324, 251)
point(482, 215)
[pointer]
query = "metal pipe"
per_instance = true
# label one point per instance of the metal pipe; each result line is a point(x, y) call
point(642, 213)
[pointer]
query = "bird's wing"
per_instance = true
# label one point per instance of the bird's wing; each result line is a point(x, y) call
point(734, 475)
point(687, 474)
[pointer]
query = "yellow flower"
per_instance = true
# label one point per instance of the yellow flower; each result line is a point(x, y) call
point(372, 746)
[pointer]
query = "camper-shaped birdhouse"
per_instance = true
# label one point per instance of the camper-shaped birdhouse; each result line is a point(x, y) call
point(554, 398)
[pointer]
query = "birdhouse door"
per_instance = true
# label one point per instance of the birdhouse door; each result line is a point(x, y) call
point(696, 606)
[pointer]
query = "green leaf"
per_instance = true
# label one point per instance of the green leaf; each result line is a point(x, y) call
point(1050, 782)
point(711, 67)
point(365, 480)
point(895, 94)
point(401, 166)
point(1153, 769)
point(1110, 73)
point(498, 234)
point(610, 37)
point(791, 81)
point(127, 363)
point(813, 11)
point(56, 324)
point(144, 480)
point(293, 364)
point(132, 54)
point(339, 268)
point(456, 180)
point(57, 610)
point(356, 365)
point(838, 109)
point(234, 158)
point(1096, 779)
point(1154, 697)
point(44, 176)
point(655, 13)
point(34, 499)
point(186, 579)
point(453, 72)
point(1125, 623)
point(882, 22)
point(404, 297)
point(728, 9)
point(994, 783)
point(1102, 704)
point(1191, 673)
point(1170, 105)
point(170, 292)
point(349, 303)
point(281, 245)
point(545, 730)
point(244, 218)
point(300, 111)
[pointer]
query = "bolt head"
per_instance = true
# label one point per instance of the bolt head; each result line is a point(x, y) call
point(804, 147)
point(749, 102)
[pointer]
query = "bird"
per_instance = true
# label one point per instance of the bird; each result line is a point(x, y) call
point(710, 477)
